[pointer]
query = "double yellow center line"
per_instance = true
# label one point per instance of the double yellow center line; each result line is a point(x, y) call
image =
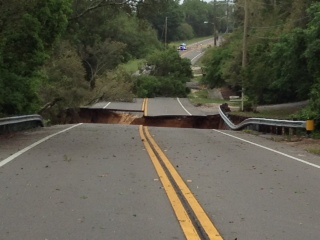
point(164, 168)
point(145, 107)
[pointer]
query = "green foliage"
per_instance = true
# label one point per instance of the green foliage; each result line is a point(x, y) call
point(168, 77)
point(107, 37)
point(287, 60)
point(156, 12)
point(155, 86)
point(65, 86)
point(223, 64)
point(138, 35)
point(313, 35)
point(283, 59)
point(315, 98)
point(38, 26)
point(214, 67)
point(147, 86)
point(27, 32)
point(18, 93)
point(169, 63)
point(100, 58)
point(115, 85)
point(133, 65)
point(196, 12)
point(185, 32)
point(283, 51)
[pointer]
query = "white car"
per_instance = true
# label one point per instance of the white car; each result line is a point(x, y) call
point(182, 47)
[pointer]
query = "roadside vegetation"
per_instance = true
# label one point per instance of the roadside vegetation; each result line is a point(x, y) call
point(63, 54)
point(282, 45)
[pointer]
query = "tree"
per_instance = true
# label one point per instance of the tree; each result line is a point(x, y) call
point(156, 12)
point(312, 55)
point(28, 30)
point(169, 63)
point(196, 13)
point(168, 77)
point(282, 64)
point(64, 86)
point(106, 37)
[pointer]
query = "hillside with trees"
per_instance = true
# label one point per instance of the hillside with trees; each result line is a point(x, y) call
point(281, 49)
point(59, 54)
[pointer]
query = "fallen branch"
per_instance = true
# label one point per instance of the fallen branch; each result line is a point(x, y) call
point(49, 105)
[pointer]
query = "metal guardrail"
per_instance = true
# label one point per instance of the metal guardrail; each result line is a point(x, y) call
point(261, 121)
point(12, 124)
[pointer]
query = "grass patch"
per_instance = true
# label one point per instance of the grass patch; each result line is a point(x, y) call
point(201, 97)
point(133, 65)
point(252, 132)
point(273, 114)
point(314, 151)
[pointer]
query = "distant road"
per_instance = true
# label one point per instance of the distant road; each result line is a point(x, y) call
point(136, 105)
point(155, 107)
point(196, 50)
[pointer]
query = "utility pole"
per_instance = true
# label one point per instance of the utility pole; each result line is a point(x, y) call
point(214, 25)
point(165, 33)
point(244, 48)
point(227, 14)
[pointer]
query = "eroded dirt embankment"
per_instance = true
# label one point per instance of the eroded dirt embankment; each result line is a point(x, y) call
point(105, 116)
point(126, 118)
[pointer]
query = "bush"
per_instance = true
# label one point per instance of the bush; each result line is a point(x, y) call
point(168, 77)
point(147, 86)
point(151, 86)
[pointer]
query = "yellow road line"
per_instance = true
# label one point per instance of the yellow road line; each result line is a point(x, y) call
point(143, 104)
point(182, 215)
point(145, 107)
point(201, 215)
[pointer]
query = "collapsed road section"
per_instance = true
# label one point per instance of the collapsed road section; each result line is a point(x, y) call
point(108, 116)
point(90, 115)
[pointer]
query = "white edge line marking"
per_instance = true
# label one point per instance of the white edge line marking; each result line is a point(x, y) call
point(183, 106)
point(13, 156)
point(270, 149)
point(107, 105)
point(197, 56)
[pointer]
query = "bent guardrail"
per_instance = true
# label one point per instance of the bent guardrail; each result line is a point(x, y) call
point(261, 121)
point(19, 123)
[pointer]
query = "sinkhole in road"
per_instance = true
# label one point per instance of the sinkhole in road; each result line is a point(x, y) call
point(104, 116)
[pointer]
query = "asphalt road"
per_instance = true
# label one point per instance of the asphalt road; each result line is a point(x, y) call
point(250, 187)
point(99, 181)
point(95, 181)
point(172, 107)
point(196, 50)
point(155, 107)
point(90, 182)
point(136, 105)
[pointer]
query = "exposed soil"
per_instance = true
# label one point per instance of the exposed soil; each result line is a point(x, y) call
point(200, 122)
point(110, 117)
point(309, 144)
